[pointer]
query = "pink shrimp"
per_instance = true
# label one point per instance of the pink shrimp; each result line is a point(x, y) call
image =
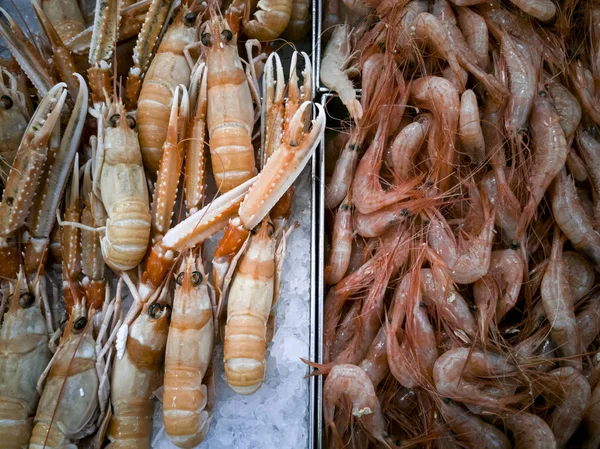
point(442, 10)
point(585, 200)
point(588, 321)
point(492, 120)
point(343, 173)
point(412, 362)
point(497, 292)
point(369, 195)
point(336, 298)
point(346, 329)
point(396, 356)
point(469, 259)
point(537, 345)
point(559, 307)
point(336, 68)
point(356, 256)
point(440, 97)
point(550, 155)
point(573, 221)
point(350, 383)
point(458, 79)
point(465, 375)
point(439, 293)
point(405, 38)
point(507, 213)
point(571, 392)
point(369, 320)
point(522, 81)
point(388, 258)
point(407, 144)
point(543, 10)
point(378, 222)
point(589, 149)
point(447, 39)
point(520, 27)
point(530, 431)
point(582, 81)
point(475, 30)
point(580, 273)
point(470, 134)
point(471, 429)
point(577, 167)
point(567, 106)
point(375, 363)
point(341, 245)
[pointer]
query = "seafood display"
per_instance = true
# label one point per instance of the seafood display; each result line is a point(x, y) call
point(461, 230)
point(108, 300)
point(149, 153)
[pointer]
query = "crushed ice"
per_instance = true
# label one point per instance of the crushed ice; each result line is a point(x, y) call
point(276, 416)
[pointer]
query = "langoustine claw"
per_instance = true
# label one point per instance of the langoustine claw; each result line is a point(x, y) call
point(283, 167)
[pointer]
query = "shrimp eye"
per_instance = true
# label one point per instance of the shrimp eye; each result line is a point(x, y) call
point(422, 304)
point(227, 35)
point(155, 310)
point(447, 400)
point(541, 93)
point(7, 102)
point(429, 184)
point(270, 229)
point(179, 279)
point(196, 277)
point(131, 122)
point(190, 18)
point(26, 300)
point(206, 39)
point(398, 442)
point(411, 65)
point(114, 120)
point(514, 245)
point(426, 222)
point(79, 323)
point(472, 307)
point(405, 212)
point(344, 207)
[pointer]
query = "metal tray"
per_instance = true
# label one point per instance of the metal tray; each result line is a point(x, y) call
point(316, 300)
point(335, 113)
point(317, 19)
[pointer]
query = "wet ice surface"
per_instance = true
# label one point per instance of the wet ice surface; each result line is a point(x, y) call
point(276, 416)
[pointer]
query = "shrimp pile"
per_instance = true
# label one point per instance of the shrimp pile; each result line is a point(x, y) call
point(461, 205)
point(107, 193)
